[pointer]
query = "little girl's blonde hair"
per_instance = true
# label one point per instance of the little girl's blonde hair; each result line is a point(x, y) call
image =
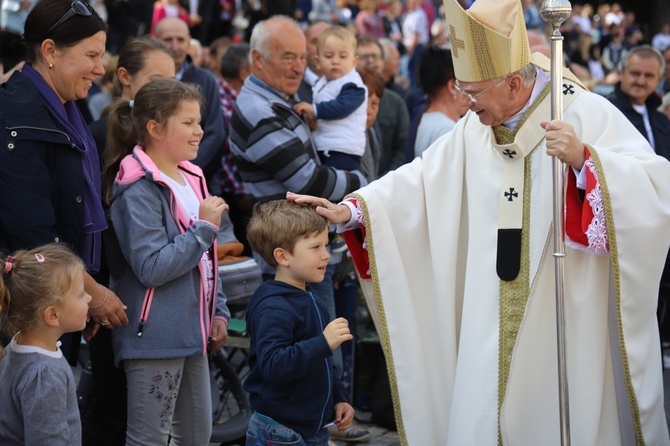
point(31, 280)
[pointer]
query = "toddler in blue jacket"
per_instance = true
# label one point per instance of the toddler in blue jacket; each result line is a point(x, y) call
point(292, 384)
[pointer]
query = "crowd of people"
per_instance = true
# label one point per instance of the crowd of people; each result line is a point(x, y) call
point(146, 135)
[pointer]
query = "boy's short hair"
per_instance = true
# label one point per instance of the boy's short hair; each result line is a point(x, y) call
point(280, 224)
point(341, 33)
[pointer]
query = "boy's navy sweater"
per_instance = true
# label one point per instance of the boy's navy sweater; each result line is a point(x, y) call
point(291, 378)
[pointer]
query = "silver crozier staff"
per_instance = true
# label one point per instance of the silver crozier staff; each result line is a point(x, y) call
point(555, 12)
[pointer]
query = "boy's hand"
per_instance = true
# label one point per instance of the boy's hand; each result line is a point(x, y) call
point(344, 415)
point(211, 209)
point(304, 108)
point(337, 332)
point(307, 110)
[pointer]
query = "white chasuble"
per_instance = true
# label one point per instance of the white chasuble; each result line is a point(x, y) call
point(461, 377)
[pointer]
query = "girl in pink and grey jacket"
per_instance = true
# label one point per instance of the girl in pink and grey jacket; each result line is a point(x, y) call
point(166, 227)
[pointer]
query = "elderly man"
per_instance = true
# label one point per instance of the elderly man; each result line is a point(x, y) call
point(455, 253)
point(271, 143)
point(174, 32)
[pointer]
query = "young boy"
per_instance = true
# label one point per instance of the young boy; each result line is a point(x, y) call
point(292, 383)
point(340, 101)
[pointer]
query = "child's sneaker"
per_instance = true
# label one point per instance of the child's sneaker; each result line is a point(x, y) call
point(352, 435)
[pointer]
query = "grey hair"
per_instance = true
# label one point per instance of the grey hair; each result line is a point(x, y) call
point(644, 52)
point(527, 73)
point(260, 35)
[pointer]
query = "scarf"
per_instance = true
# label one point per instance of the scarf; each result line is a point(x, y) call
point(69, 119)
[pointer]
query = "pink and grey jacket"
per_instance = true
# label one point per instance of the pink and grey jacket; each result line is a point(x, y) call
point(158, 274)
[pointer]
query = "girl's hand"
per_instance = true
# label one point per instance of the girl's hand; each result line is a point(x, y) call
point(219, 335)
point(211, 209)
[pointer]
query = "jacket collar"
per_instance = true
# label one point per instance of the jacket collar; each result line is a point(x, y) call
point(139, 165)
point(653, 101)
point(263, 89)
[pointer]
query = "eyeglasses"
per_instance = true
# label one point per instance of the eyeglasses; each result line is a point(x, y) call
point(472, 96)
point(369, 56)
point(76, 8)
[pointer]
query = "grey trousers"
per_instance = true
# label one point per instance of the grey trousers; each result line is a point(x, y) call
point(168, 398)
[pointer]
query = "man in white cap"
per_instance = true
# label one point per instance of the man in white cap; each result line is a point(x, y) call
point(455, 251)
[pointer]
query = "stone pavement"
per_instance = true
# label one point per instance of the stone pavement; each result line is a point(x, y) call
point(384, 437)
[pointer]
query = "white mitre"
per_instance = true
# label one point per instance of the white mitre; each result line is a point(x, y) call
point(488, 40)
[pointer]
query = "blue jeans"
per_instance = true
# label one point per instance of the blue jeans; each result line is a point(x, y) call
point(263, 431)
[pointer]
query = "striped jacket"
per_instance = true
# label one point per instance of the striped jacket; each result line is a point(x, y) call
point(274, 151)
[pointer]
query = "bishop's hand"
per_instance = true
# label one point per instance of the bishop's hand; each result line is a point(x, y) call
point(334, 213)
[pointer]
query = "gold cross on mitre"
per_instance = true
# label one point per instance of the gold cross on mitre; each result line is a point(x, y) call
point(488, 40)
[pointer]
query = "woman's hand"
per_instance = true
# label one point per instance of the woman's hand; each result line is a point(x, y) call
point(105, 308)
point(112, 311)
point(335, 213)
point(110, 314)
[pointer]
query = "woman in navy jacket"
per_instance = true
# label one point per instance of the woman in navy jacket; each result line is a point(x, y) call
point(49, 167)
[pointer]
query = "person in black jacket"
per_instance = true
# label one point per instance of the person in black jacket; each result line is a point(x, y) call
point(635, 96)
point(292, 383)
point(49, 168)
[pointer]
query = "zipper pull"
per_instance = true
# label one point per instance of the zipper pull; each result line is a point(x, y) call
point(141, 327)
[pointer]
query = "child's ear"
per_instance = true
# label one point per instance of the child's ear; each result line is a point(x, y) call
point(123, 76)
point(50, 316)
point(281, 256)
point(154, 129)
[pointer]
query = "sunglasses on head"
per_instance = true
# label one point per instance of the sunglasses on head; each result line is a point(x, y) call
point(76, 8)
